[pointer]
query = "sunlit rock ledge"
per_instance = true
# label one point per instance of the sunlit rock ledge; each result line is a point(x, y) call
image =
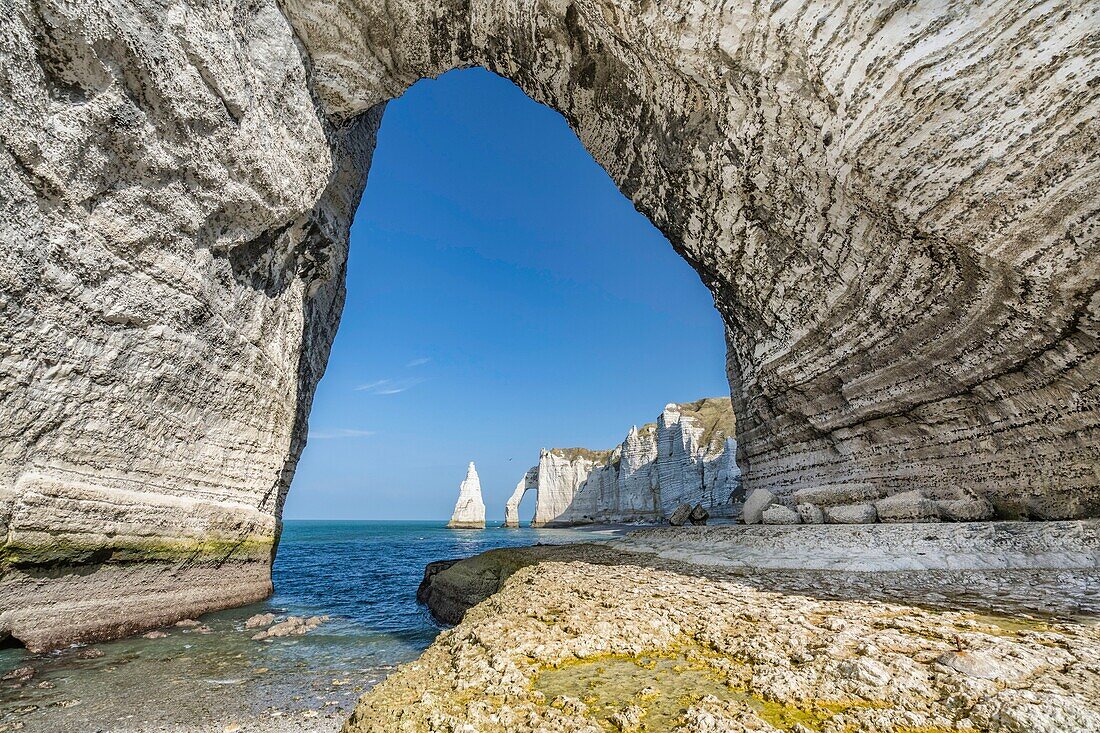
point(589, 638)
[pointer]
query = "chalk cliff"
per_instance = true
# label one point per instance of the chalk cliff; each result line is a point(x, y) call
point(687, 456)
point(894, 205)
point(469, 510)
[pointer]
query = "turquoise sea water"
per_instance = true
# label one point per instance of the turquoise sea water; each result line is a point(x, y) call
point(363, 574)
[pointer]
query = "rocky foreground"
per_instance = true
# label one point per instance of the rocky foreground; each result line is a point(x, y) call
point(591, 638)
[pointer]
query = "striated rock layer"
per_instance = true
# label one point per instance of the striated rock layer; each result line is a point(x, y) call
point(687, 456)
point(469, 510)
point(894, 205)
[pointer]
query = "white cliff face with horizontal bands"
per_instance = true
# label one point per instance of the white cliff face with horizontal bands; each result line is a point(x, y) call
point(895, 206)
point(687, 456)
point(469, 510)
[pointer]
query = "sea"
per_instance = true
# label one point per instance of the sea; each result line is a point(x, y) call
point(363, 574)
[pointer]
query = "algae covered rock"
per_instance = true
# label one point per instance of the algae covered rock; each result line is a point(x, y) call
point(584, 640)
point(452, 587)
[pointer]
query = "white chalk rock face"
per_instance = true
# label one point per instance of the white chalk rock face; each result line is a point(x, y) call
point(469, 510)
point(895, 209)
point(688, 456)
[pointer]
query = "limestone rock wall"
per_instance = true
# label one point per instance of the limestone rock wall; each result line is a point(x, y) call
point(687, 456)
point(894, 205)
point(172, 248)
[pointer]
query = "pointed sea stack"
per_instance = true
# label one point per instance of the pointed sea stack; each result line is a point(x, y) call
point(470, 509)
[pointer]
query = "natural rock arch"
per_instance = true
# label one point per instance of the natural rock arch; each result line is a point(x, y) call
point(895, 207)
point(529, 482)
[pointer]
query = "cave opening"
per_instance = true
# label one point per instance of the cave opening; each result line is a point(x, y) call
point(10, 642)
point(502, 296)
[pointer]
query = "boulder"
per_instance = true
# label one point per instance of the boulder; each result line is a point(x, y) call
point(810, 514)
point(779, 514)
point(699, 515)
point(755, 504)
point(851, 514)
point(455, 586)
point(680, 515)
point(837, 494)
point(908, 506)
point(972, 508)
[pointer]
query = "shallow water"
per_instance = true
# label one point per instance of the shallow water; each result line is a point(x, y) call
point(363, 574)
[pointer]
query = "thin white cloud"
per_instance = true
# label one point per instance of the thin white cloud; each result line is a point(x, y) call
point(338, 433)
point(418, 362)
point(372, 385)
point(388, 386)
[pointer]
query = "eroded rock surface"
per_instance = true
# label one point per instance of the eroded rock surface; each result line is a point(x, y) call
point(893, 205)
point(639, 642)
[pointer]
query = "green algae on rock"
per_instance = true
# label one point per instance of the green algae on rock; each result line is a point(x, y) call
point(654, 692)
point(657, 684)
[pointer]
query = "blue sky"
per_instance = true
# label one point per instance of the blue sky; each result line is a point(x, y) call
point(503, 296)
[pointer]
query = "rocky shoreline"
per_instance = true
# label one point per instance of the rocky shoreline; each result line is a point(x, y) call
point(598, 637)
